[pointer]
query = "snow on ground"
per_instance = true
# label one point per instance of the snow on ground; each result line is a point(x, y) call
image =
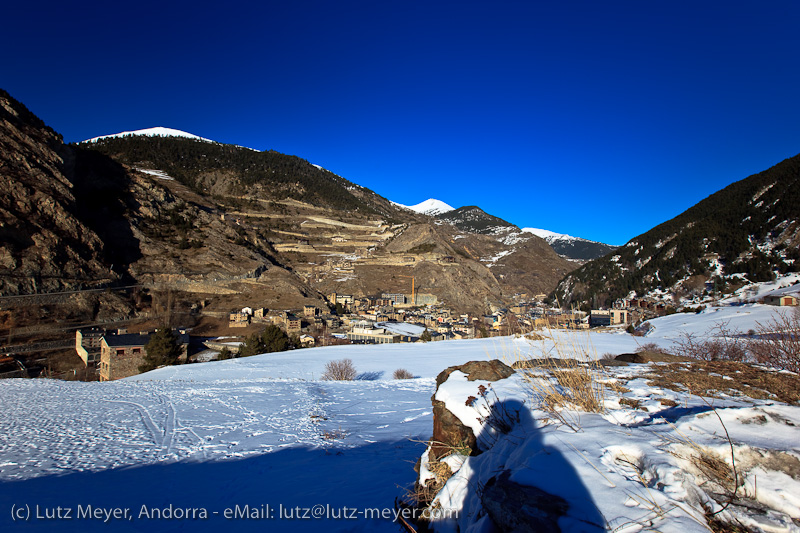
point(492, 261)
point(160, 174)
point(632, 468)
point(374, 362)
point(261, 435)
point(741, 318)
point(785, 284)
point(209, 445)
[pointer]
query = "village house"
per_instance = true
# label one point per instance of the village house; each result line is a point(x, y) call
point(786, 296)
point(88, 344)
point(293, 323)
point(332, 322)
point(608, 317)
point(238, 320)
point(346, 300)
point(784, 300)
point(366, 333)
point(394, 298)
point(307, 341)
point(464, 331)
point(122, 354)
point(519, 309)
point(444, 327)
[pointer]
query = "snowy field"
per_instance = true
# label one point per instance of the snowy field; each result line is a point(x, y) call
point(261, 442)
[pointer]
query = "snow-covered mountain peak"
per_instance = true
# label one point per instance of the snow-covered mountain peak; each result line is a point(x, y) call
point(430, 207)
point(572, 247)
point(549, 235)
point(152, 132)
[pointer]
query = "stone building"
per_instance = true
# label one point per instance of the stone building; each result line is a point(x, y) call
point(121, 355)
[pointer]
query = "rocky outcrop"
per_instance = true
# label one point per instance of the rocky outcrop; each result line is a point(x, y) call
point(493, 370)
point(43, 245)
point(650, 357)
point(448, 431)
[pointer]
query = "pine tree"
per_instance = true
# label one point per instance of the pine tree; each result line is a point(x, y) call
point(162, 349)
point(272, 339)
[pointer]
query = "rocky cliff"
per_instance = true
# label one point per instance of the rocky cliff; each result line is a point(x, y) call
point(43, 244)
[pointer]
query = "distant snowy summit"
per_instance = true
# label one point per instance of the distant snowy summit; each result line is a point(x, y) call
point(431, 207)
point(152, 132)
point(572, 247)
point(550, 235)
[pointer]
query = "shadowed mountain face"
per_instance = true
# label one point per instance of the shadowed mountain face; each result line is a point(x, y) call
point(44, 243)
point(233, 170)
point(751, 227)
point(579, 249)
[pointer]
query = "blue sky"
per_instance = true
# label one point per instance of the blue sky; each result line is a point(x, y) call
point(597, 119)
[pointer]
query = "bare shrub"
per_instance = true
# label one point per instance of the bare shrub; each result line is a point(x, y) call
point(402, 373)
point(500, 419)
point(341, 370)
point(718, 344)
point(648, 347)
point(777, 342)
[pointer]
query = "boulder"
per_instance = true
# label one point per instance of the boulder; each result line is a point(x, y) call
point(650, 357)
point(449, 432)
point(493, 370)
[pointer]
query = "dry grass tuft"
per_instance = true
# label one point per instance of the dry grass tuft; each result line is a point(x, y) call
point(707, 378)
point(559, 386)
point(616, 387)
point(630, 402)
point(423, 495)
point(565, 382)
point(442, 472)
point(334, 434)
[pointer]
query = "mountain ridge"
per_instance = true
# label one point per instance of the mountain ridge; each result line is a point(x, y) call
point(747, 230)
point(570, 247)
point(575, 248)
point(219, 227)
